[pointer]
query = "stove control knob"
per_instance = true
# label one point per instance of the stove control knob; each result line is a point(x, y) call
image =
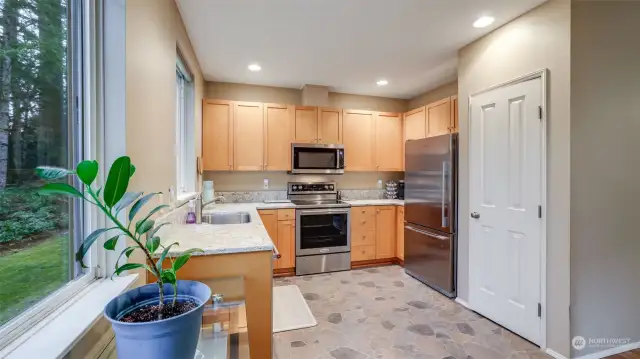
point(326, 186)
point(295, 188)
point(331, 187)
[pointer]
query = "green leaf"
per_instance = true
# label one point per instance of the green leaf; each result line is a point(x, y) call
point(133, 170)
point(130, 266)
point(156, 229)
point(126, 200)
point(98, 192)
point(184, 258)
point(151, 213)
point(168, 276)
point(164, 255)
point(60, 188)
point(153, 244)
point(117, 181)
point(139, 204)
point(87, 171)
point(126, 252)
point(88, 242)
point(110, 244)
point(144, 227)
point(52, 173)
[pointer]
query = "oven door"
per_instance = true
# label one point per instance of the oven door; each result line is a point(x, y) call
point(322, 231)
point(312, 159)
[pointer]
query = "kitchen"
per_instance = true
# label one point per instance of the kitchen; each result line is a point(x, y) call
point(251, 128)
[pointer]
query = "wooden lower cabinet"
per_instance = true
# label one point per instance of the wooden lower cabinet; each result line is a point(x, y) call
point(363, 253)
point(385, 232)
point(400, 233)
point(283, 235)
point(287, 244)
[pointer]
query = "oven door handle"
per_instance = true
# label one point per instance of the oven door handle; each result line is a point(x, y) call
point(323, 211)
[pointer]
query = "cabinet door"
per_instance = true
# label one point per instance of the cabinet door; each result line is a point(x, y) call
point(306, 124)
point(217, 135)
point(270, 221)
point(358, 137)
point(278, 121)
point(248, 136)
point(329, 125)
point(385, 232)
point(439, 118)
point(287, 244)
point(400, 233)
point(454, 114)
point(415, 124)
point(388, 141)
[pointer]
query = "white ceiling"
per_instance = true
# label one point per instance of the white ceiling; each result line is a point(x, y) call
point(344, 44)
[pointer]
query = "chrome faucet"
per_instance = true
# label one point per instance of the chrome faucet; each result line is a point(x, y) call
point(200, 205)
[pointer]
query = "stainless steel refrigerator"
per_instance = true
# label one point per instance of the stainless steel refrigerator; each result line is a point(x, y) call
point(431, 182)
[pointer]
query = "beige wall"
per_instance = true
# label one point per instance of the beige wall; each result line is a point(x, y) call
point(254, 93)
point(537, 40)
point(434, 95)
point(605, 123)
point(252, 181)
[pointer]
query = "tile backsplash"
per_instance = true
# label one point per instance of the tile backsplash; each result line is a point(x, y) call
point(261, 196)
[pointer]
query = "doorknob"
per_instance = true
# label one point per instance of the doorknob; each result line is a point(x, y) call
point(475, 215)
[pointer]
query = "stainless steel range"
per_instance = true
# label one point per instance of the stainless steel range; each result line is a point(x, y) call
point(323, 240)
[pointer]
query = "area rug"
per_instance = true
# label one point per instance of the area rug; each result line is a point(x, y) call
point(290, 310)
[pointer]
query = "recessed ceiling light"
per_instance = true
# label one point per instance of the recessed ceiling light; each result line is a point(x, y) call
point(382, 82)
point(254, 68)
point(484, 21)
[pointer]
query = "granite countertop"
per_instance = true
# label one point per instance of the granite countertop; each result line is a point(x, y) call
point(219, 238)
point(235, 238)
point(376, 202)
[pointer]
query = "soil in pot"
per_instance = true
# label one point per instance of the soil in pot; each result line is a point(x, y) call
point(149, 313)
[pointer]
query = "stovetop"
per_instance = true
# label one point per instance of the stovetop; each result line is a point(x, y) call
point(301, 203)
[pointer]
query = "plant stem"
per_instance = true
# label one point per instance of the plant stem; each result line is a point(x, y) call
point(161, 303)
point(175, 294)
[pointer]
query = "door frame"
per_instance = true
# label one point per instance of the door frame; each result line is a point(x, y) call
point(543, 75)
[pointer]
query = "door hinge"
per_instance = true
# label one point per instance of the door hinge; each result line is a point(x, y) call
point(539, 310)
point(540, 112)
point(539, 211)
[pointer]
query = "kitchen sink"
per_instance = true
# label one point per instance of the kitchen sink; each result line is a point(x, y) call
point(226, 218)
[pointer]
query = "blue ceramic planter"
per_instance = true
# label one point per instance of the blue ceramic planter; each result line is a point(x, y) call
point(173, 338)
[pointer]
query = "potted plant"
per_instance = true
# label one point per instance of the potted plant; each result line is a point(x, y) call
point(159, 320)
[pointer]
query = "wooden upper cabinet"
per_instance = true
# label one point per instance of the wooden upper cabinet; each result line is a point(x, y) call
point(217, 135)
point(439, 118)
point(306, 124)
point(454, 114)
point(415, 124)
point(389, 141)
point(358, 136)
point(278, 134)
point(329, 125)
point(248, 136)
point(385, 232)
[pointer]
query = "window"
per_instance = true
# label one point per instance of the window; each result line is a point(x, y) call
point(185, 145)
point(41, 123)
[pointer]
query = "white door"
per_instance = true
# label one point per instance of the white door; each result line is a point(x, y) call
point(506, 190)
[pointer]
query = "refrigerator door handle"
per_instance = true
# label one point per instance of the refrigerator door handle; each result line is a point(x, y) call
point(444, 195)
point(426, 233)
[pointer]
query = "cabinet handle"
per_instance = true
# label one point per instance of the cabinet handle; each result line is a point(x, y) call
point(363, 211)
point(363, 222)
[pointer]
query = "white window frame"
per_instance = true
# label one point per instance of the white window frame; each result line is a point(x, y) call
point(85, 26)
point(185, 129)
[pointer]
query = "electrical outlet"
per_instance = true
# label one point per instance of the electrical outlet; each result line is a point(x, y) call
point(265, 184)
point(379, 183)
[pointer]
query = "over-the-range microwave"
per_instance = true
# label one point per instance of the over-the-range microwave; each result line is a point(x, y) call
point(317, 158)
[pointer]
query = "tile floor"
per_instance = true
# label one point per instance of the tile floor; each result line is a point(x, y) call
point(384, 313)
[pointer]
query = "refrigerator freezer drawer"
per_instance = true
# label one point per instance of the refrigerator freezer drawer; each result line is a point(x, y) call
point(430, 258)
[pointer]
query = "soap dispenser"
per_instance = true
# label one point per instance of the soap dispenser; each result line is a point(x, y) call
point(191, 215)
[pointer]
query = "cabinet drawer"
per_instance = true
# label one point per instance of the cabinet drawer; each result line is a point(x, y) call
point(363, 218)
point(286, 214)
point(363, 253)
point(363, 238)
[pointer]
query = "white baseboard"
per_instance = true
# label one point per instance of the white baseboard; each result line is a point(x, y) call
point(462, 302)
point(554, 354)
point(611, 351)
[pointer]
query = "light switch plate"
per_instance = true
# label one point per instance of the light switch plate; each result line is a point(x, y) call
point(265, 184)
